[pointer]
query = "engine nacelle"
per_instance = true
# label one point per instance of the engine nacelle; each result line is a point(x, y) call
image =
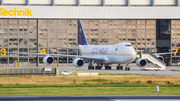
point(78, 62)
point(48, 60)
point(160, 57)
point(141, 62)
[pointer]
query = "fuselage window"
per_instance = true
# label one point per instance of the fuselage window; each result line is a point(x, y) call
point(128, 45)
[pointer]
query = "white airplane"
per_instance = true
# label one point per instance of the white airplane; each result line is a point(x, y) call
point(121, 53)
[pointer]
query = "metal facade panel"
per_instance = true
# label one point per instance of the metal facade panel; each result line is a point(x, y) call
point(135, 12)
point(115, 2)
point(39, 1)
point(172, 12)
point(122, 12)
point(36, 11)
point(147, 12)
point(110, 12)
point(14, 1)
point(72, 12)
point(140, 2)
point(160, 12)
point(97, 12)
point(90, 2)
point(165, 2)
point(85, 12)
point(47, 12)
point(179, 12)
point(60, 12)
point(67, 2)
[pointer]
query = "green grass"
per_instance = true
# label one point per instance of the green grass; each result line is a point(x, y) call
point(89, 91)
point(136, 84)
point(175, 69)
point(96, 80)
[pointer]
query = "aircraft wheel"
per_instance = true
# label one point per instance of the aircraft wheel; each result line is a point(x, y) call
point(128, 68)
point(125, 68)
point(109, 67)
point(121, 67)
point(118, 67)
point(89, 67)
point(106, 67)
point(96, 67)
point(92, 67)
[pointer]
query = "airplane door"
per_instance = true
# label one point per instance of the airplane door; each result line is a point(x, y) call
point(121, 46)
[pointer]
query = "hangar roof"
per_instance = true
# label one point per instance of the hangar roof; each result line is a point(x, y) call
point(92, 2)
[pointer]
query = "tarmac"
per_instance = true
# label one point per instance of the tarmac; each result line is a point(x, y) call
point(94, 98)
point(133, 69)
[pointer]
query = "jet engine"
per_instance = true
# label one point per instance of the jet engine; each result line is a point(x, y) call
point(141, 62)
point(160, 57)
point(78, 62)
point(48, 60)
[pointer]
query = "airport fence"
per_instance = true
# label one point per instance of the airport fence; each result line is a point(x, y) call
point(29, 71)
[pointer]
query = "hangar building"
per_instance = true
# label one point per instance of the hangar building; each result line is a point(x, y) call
point(31, 25)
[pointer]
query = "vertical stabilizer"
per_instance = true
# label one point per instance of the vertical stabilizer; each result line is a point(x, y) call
point(81, 35)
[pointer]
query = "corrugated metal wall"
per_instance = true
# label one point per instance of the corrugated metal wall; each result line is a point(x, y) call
point(88, 12)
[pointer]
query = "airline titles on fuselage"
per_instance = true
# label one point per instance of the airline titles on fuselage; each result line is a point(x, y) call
point(99, 50)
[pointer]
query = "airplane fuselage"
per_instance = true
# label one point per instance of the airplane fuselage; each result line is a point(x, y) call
point(113, 54)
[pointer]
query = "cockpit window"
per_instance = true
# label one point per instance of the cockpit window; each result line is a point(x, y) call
point(128, 45)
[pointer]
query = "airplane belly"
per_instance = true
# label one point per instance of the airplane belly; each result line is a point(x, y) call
point(121, 59)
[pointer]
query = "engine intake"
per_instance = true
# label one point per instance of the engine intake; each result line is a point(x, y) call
point(160, 57)
point(78, 62)
point(48, 60)
point(141, 62)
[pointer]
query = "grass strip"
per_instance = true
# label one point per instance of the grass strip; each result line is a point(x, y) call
point(87, 85)
point(175, 69)
point(89, 91)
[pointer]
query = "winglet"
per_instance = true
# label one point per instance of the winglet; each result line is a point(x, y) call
point(81, 35)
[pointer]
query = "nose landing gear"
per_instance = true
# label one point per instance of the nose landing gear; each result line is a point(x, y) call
point(127, 68)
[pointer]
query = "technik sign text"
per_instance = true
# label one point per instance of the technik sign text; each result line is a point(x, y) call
point(15, 12)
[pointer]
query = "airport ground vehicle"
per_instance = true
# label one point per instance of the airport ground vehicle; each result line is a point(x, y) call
point(66, 73)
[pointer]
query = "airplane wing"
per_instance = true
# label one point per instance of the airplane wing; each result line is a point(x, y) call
point(66, 47)
point(62, 55)
point(164, 53)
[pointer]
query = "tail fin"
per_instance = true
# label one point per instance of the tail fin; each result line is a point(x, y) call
point(81, 35)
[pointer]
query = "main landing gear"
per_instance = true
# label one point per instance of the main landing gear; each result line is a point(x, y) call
point(107, 67)
point(90, 66)
point(119, 67)
point(99, 66)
